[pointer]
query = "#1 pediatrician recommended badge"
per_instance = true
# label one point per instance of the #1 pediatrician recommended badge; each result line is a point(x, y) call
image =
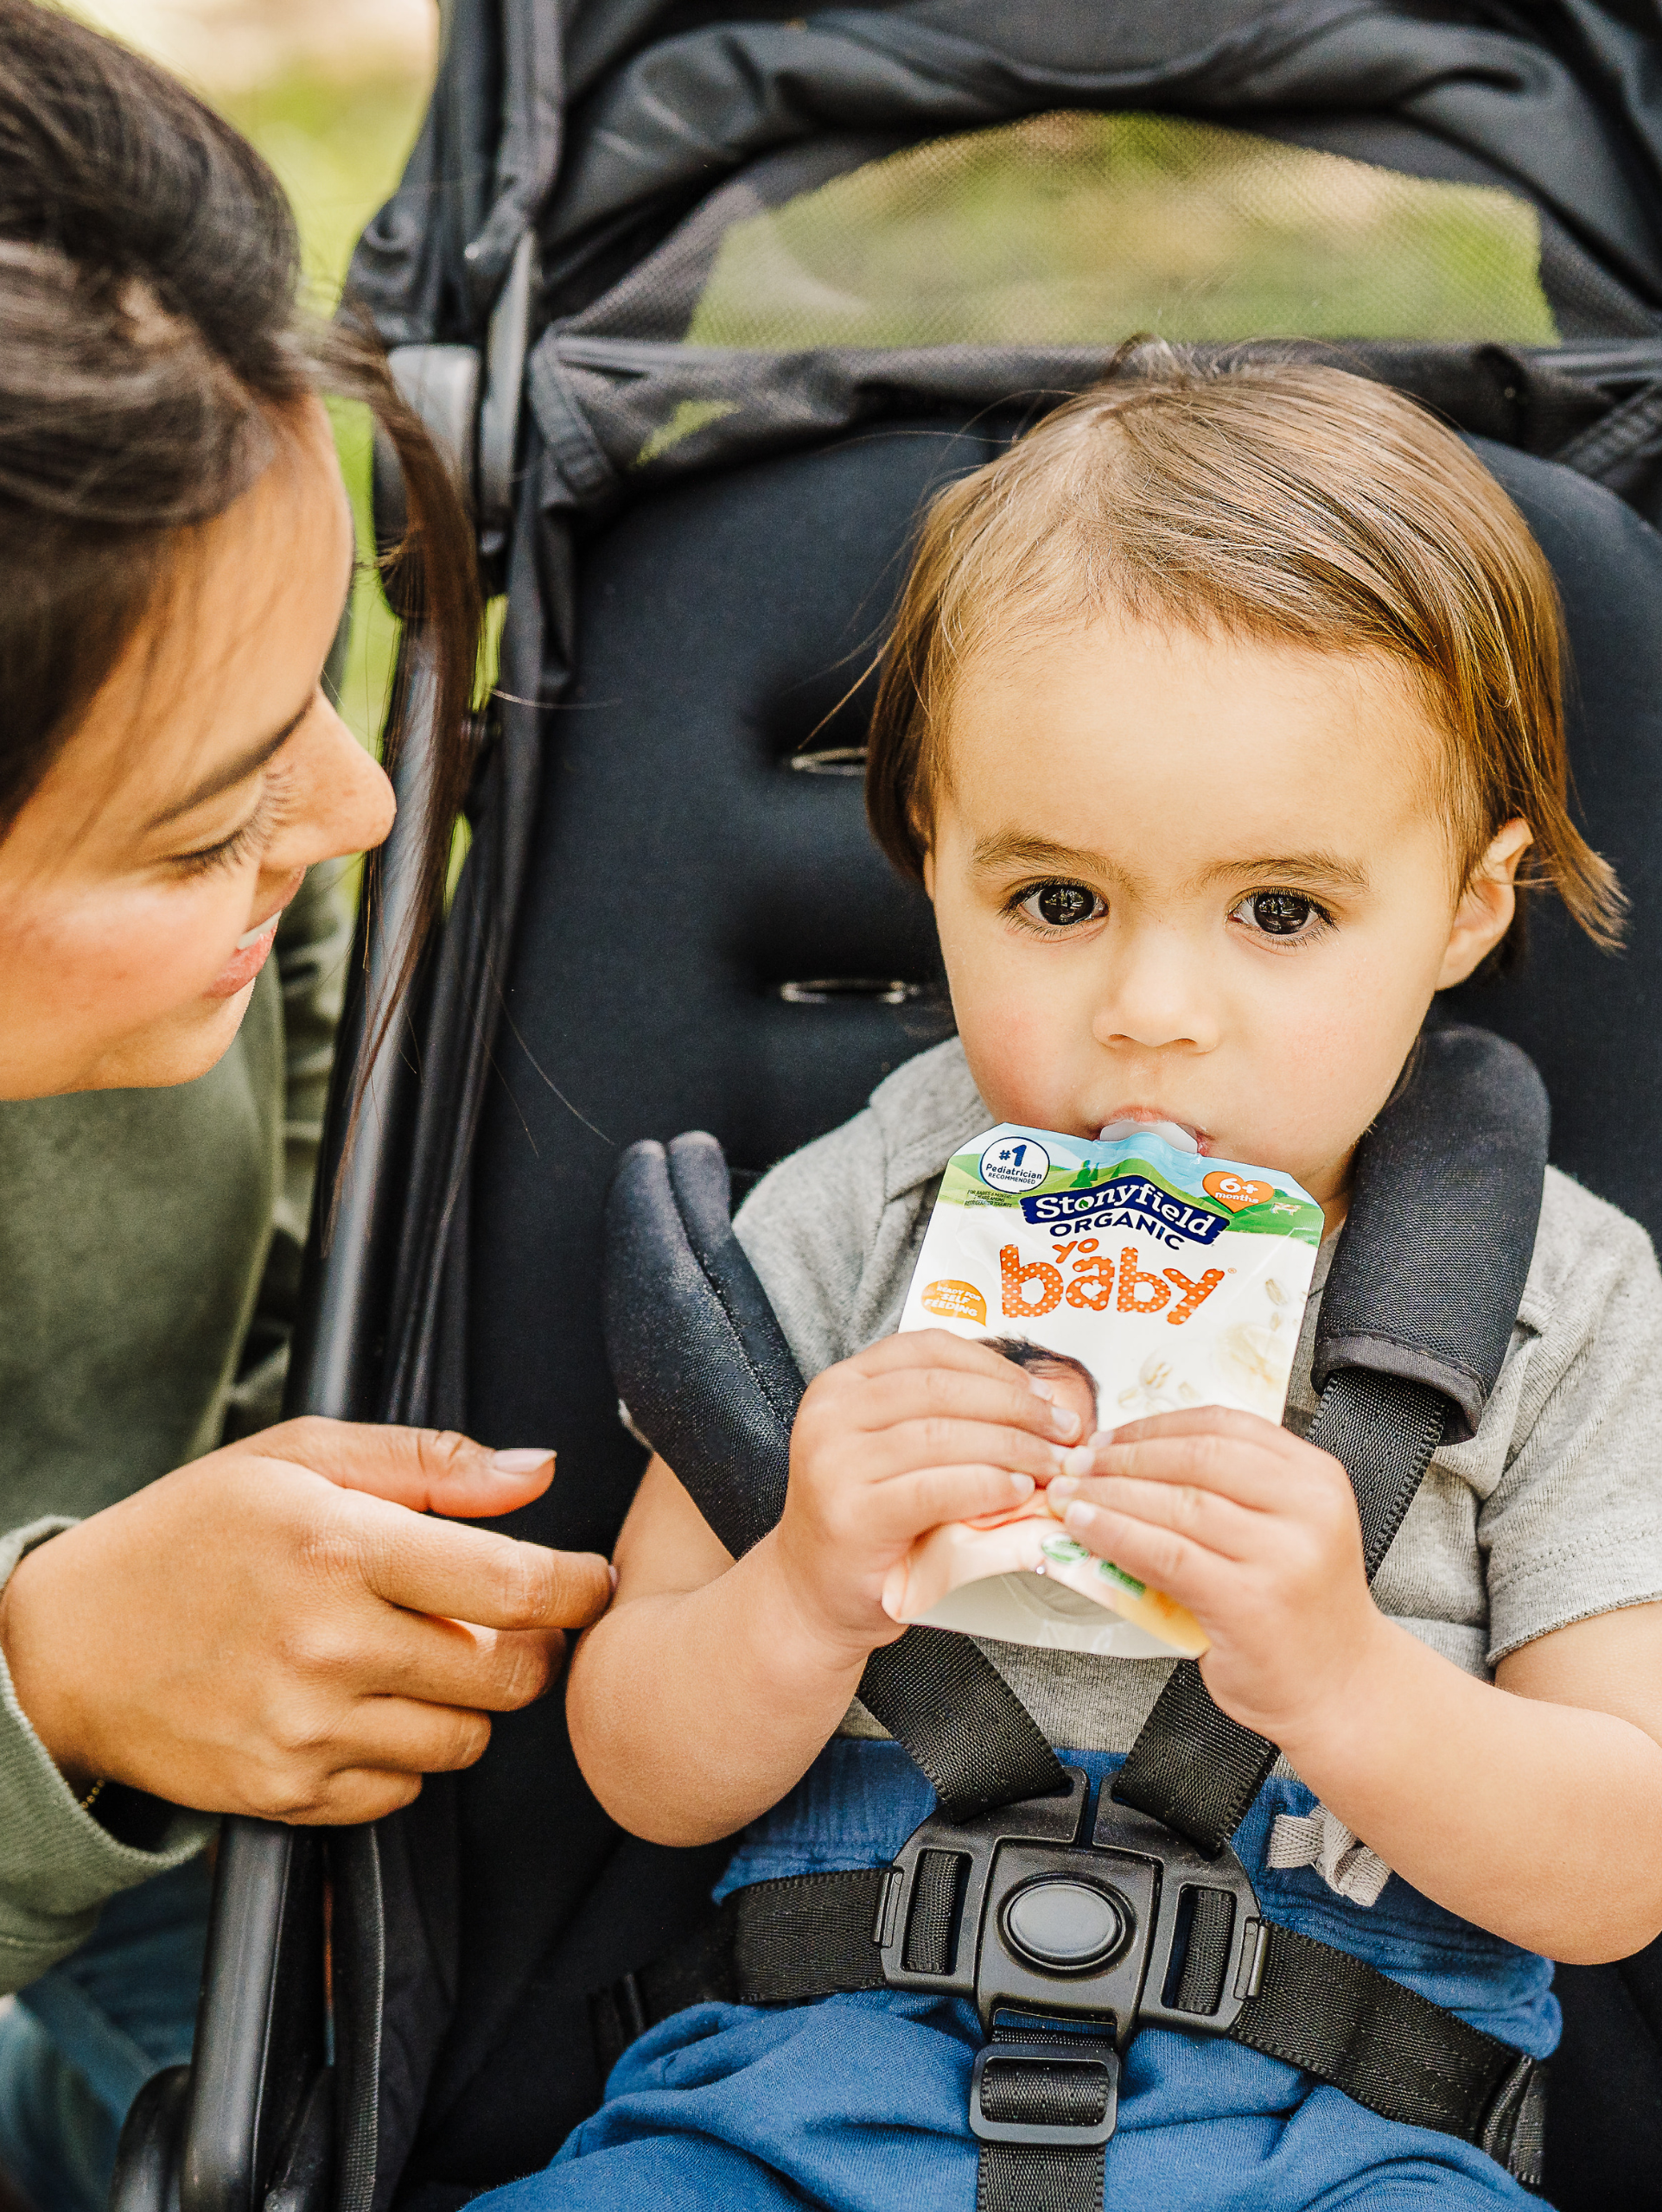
point(1014, 1163)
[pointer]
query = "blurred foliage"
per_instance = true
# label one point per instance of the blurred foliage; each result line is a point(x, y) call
point(338, 150)
point(1078, 228)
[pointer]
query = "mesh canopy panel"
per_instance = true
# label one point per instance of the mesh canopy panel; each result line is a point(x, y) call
point(1077, 228)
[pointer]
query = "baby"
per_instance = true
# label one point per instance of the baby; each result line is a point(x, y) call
point(1221, 723)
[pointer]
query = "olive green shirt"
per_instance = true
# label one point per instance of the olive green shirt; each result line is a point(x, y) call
point(150, 1261)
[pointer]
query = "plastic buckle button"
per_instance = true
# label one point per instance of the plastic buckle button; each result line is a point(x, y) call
point(1053, 2059)
point(1108, 1923)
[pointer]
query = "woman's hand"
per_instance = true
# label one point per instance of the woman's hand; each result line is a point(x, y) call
point(278, 1629)
point(1257, 1533)
point(921, 1429)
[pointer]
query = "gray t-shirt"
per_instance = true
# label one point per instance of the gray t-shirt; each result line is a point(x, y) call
point(1551, 1513)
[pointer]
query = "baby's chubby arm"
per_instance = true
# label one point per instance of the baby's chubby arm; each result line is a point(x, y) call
point(710, 1686)
point(1532, 1808)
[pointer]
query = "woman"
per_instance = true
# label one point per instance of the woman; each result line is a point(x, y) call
point(278, 1627)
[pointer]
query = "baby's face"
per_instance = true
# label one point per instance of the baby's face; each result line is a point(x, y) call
point(1200, 879)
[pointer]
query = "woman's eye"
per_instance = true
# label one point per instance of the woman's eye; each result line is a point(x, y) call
point(1280, 913)
point(1060, 905)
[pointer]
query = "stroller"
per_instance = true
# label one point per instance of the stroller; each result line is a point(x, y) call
point(707, 301)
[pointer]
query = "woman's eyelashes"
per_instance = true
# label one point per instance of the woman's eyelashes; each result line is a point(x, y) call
point(1283, 916)
point(1056, 906)
point(245, 842)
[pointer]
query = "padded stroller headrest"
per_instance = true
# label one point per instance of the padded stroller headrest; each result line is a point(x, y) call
point(1425, 1284)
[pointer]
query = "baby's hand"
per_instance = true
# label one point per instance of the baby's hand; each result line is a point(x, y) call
point(921, 1429)
point(1257, 1533)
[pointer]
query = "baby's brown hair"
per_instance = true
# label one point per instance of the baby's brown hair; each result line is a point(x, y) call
point(1275, 501)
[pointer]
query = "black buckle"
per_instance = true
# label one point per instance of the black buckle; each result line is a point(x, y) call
point(1061, 2135)
point(1021, 1915)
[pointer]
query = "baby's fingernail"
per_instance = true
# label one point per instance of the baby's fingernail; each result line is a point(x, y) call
point(1022, 1486)
point(1078, 1516)
point(521, 1461)
point(1065, 1422)
point(1064, 1487)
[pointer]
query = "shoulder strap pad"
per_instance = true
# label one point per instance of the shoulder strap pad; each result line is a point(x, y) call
point(1430, 1268)
point(697, 1352)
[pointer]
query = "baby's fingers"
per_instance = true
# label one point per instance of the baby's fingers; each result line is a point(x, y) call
point(1007, 1400)
point(910, 1505)
point(1241, 1467)
point(1162, 1557)
point(941, 1441)
point(1095, 1511)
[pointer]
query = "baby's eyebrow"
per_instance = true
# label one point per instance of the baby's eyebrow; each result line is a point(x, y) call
point(1009, 850)
point(1325, 868)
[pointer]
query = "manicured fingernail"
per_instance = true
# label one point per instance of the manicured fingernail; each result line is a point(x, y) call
point(520, 1461)
point(612, 1571)
point(1040, 1389)
point(1022, 1486)
point(1078, 1516)
point(1080, 1460)
point(1064, 1487)
point(1064, 1422)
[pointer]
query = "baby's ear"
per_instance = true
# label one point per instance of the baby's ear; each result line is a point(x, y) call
point(1486, 905)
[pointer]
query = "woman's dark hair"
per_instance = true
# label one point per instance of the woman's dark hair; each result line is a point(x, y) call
point(153, 348)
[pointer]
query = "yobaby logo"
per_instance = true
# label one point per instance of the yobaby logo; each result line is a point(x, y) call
point(1127, 1202)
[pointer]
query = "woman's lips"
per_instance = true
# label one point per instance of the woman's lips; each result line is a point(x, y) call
point(246, 961)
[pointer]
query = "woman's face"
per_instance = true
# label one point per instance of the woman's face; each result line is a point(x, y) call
point(141, 884)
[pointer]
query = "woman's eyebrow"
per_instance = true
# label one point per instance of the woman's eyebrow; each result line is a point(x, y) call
point(231, 772)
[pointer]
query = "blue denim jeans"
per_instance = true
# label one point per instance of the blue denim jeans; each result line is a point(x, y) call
point(78, 2045)
point(860, 2103)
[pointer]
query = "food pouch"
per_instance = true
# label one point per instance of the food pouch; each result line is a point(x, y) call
point(1132, 1277)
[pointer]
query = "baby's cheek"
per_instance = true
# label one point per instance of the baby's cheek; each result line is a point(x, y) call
point(1318, 1081)
point(1018, 1057)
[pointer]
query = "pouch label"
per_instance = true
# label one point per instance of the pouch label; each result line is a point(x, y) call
point(1128, 1202)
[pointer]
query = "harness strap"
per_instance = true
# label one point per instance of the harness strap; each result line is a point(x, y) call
point(1030, 2081)
point(1192, 1766)
point(1333, 2016)
point(946, 1704)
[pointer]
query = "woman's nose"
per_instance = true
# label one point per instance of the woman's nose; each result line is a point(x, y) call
point(346, 804)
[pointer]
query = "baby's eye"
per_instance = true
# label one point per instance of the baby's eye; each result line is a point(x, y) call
point(1060, 905)
point(1280, 913)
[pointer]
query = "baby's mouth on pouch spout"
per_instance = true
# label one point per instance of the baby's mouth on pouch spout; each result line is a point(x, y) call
point(1130, 1120)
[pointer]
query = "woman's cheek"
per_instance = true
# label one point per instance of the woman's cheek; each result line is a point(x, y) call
point(153, 950)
